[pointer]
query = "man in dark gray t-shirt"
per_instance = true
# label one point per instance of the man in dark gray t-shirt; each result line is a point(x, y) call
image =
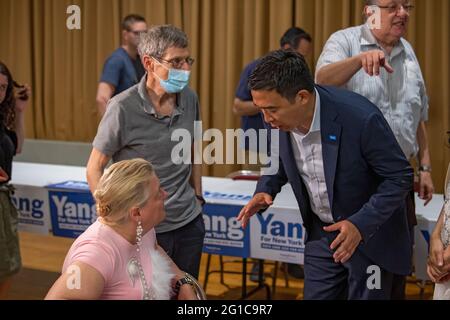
point(139, 123)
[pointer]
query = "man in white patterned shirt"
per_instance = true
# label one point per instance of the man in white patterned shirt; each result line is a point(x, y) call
point(375, 61)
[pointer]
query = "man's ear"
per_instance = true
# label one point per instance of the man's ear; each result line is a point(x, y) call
point(368, 11)
point(125, 35)
point(148, 63)
point(303, 96)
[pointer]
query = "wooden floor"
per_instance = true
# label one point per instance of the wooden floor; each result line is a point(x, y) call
point(43, 257)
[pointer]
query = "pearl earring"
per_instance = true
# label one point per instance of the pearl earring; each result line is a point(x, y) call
point(139, 231)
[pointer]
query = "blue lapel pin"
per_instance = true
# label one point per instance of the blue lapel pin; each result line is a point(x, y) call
point(333, 138)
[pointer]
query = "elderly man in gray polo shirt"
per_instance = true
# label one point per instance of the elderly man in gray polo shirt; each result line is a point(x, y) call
point(375, 61)
point(139, 123)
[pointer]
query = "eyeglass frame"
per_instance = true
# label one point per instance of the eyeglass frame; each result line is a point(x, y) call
point(396, 7)
point(189, 60)
point(136, 33)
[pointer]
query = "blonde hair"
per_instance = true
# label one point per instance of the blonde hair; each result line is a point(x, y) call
point(123, 186)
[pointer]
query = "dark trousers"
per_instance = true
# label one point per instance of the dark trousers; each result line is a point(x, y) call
point(327, 280)
point(399, 283)
point(185, 245)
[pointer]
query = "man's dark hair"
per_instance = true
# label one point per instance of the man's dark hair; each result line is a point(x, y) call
point(131, 19)
point(293, 36)
point(284, 71)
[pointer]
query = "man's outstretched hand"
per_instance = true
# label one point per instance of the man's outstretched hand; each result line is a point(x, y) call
point(259, 201)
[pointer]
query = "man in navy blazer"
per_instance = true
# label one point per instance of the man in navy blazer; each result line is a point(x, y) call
point(349, 176)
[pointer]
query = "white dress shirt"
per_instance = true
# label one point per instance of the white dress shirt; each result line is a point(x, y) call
point(308, 157)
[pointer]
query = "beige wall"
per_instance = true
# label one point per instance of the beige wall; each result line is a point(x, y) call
point(64, 66)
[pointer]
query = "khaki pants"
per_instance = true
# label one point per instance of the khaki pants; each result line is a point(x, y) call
point(10, 261)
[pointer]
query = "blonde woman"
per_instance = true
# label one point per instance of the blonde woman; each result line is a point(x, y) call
point(439, 258)
point(117, 257)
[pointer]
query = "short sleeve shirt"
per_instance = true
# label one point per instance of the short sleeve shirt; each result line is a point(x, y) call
point(401, 96)
point(131, 129)
point(121, 71)
point(243, 93)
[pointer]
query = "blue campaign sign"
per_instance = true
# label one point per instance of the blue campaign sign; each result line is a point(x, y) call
point(224, 234)
point(278, 234)
point(72, 208)
point(34, 212)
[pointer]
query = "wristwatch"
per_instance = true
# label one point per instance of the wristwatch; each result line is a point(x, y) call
point(182, 281)
point(425, 168)
point(201, 199)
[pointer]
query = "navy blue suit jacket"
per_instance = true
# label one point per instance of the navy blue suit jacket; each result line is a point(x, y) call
point(366, 173)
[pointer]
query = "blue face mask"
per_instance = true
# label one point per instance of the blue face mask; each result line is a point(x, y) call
point(177, 80)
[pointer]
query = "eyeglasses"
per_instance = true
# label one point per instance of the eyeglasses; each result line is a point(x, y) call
point(136, 33)
point(178, 63)
point(396, 7)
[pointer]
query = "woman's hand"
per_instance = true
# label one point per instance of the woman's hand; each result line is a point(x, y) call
point(436, 255)
point(3, 175)
point(22, 97)
point(446, 267)
point(438, 267)
point(187, 293)
point(435, 273)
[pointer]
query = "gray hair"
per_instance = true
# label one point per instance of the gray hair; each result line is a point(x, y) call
point(158, 39)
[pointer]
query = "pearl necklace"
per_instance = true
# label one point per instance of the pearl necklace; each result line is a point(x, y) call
point(135, 267)
point(135, 270)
